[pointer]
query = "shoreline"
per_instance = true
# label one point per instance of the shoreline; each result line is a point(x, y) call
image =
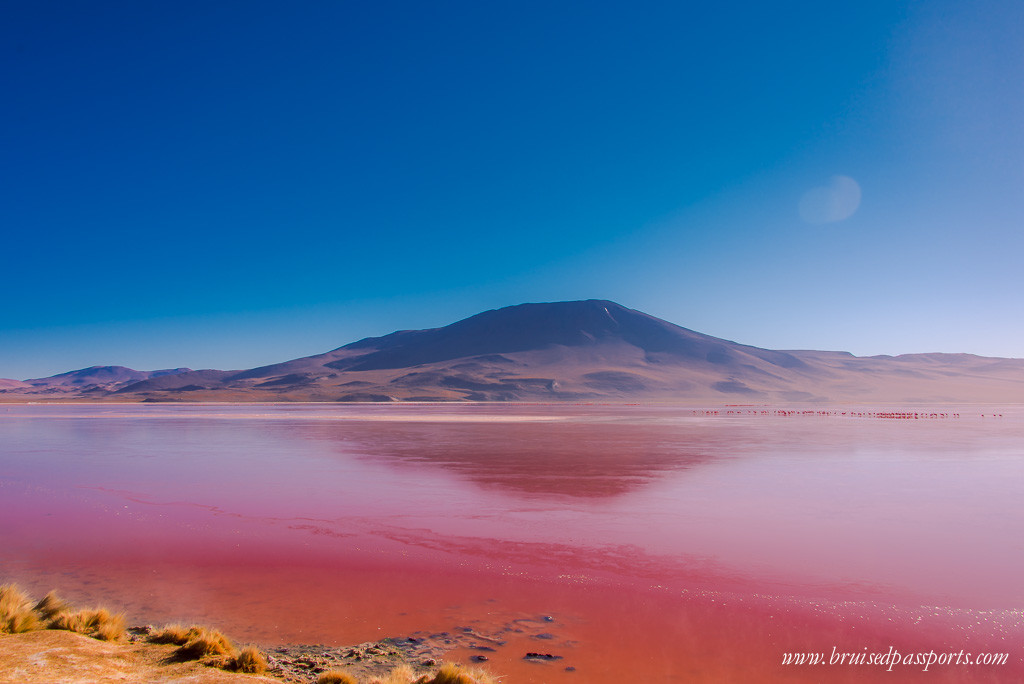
point(50, 639)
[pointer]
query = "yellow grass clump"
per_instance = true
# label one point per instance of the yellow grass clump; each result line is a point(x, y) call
point(251, 661)
point(51, 605)
point(170, 634)
point(16, 613)
point(447, 674)
point(98, 623)
point(336, 677)
point(204, 642)
point(212, 647)
point(19, 614)
point(453, 674)
point(70, 621)
point(111, 628)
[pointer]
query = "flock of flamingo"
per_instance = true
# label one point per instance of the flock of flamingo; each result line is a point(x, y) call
point(884, 414)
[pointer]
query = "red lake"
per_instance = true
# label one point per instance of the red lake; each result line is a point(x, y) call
point(637, 543)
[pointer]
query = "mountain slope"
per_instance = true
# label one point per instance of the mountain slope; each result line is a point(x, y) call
point(592, 350)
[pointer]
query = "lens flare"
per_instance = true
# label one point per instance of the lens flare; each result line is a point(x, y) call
point(836, 201)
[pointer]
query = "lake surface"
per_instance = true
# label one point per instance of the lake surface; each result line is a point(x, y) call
point(656, 544)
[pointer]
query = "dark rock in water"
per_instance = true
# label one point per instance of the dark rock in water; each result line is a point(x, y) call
point(541, 656)
point(479, 658)
point(545, 635)
point(570, 668)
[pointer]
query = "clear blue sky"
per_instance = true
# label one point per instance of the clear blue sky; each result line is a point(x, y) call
point(227, 184)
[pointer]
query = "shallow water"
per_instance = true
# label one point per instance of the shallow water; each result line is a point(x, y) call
point(670, 543)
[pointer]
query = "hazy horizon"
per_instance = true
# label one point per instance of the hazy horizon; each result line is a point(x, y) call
point(229, 185)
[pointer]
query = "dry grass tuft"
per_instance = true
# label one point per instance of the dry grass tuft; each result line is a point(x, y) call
point(482, 676)
point(16, 614)
point(203, 643)
point(72, 622)
point(453, 674)
point(447, 674)
point(51, 604)
point(210, 646)
point(96, 617)
point(23, 622)
point(110, 629)
point(336, 677)
point(19, 614)
point(12, 598)
point(251, 661)
point(98, 623)
point(170, 634)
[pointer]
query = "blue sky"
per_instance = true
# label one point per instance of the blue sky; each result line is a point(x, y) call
point(227, 184)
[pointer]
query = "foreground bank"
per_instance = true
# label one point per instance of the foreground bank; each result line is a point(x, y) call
point(50, 640)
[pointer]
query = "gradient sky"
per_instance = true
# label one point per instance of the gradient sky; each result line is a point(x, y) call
point(228, 184)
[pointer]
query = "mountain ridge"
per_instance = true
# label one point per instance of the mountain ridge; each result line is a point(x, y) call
point(588, 350)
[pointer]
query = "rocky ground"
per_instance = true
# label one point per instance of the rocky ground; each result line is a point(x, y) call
point(422, 651)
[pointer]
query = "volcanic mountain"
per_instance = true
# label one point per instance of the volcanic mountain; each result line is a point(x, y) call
point(590, 350)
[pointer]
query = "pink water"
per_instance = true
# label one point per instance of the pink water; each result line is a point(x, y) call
point(665, 544)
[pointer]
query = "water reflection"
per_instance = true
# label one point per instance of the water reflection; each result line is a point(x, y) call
point(857, 502)
point(563, 459)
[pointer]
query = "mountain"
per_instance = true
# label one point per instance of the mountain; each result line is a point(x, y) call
point(95, 379)
point(592, 350)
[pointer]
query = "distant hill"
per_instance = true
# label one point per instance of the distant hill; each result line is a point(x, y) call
point(101, 375)
point(95, 379)
point(592, 350)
